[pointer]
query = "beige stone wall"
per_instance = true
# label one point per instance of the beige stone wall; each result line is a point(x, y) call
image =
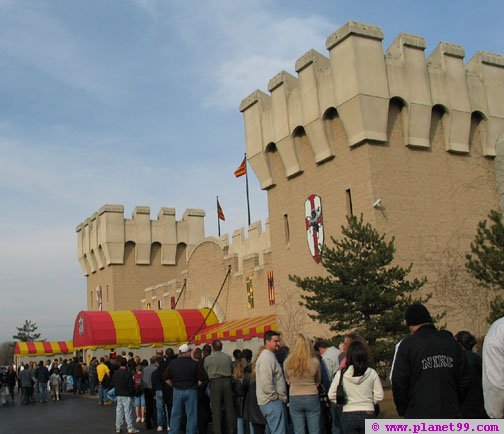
point(349, 170)
point(432, 202)
point(123, 286)
point(124, 256)
point(206, 270)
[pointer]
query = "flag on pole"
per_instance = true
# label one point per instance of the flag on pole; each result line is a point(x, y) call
point(242, 170)
point(220, 213)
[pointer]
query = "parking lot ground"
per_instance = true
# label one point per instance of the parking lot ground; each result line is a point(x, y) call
point(73, 415)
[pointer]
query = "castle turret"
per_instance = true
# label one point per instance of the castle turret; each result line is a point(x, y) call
point(111, 249)
point(407, 141)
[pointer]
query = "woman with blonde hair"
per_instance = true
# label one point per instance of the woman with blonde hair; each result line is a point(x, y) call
point(302, 372)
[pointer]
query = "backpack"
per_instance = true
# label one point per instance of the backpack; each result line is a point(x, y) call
point(137, 382)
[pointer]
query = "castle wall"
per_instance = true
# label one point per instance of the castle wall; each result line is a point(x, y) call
point(418, 133)
point(432, 201)
point(124, 256)
point(247, 259)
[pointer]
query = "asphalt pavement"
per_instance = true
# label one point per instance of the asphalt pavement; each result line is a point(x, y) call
point(73, 414)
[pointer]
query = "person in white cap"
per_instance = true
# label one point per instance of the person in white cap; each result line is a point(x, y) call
point(493, 370)
point(183, 375)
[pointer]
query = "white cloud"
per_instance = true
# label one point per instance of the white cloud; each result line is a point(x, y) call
point(250, 43)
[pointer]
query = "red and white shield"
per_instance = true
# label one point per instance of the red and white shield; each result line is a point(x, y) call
point(314, 225)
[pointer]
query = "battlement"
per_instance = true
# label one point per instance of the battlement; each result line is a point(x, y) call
point(258, 242)
point(102, 237)
point(358, 81)
point(242, 248)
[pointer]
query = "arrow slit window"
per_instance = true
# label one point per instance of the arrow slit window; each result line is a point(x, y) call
point(286, 229)
point(349, 205)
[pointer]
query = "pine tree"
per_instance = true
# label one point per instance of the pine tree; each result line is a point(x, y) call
point(363, 292)
point(26, 333)
point(486, 263)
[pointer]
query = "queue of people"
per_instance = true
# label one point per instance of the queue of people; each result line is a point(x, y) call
point(39, 381)
point(315, 387)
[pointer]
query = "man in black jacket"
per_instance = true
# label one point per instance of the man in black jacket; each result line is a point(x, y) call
point(431, 375)
point(122, 380)
point(42, 376)
point(183, 375)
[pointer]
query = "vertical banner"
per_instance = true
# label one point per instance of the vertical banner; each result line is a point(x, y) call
point(271, 288)
point(250, 293)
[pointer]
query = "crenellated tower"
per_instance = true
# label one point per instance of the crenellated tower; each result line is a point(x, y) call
point(407, 140)
point(120, 257)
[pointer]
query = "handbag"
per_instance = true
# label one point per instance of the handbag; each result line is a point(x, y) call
point(376, 409)
point(324, 399)
point(341, 398)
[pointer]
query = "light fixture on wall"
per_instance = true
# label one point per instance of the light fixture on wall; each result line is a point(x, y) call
point(378, 203)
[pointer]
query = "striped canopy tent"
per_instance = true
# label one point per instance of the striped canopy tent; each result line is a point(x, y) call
point(135, 328)
point(245, 329)
point(42, 348)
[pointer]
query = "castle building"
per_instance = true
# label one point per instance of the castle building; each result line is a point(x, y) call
point(407, 141)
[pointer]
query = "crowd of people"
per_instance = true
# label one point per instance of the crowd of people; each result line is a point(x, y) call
point(313, 387)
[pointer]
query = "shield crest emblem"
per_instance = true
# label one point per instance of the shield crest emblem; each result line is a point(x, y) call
point(314, 225)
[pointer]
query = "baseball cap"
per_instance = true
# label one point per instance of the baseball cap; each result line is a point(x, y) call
point(184, 348)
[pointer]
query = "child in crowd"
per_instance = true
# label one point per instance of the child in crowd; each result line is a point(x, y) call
point(139, 399)
point(55, 383)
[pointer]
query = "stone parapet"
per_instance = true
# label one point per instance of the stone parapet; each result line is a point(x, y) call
point(257, 242)
point(358, 80)
point(102, 237)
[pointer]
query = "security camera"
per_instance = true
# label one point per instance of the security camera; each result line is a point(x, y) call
point(377, 203)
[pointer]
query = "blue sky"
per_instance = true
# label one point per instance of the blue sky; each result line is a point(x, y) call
point(135, 102)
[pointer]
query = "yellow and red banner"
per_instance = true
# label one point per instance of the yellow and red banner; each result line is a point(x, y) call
point(133, 328)
point(245, 329)
point(242, 169)
point(43, 348)
point(220, 213)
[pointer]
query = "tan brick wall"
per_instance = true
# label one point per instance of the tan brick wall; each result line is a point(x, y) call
point(205, 273)
point(126, 283)
point(432, 202)
point(350, 169)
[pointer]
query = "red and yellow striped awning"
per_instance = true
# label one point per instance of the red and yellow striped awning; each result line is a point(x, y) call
point(134, 328)
point(43, 348)
point(247, 328)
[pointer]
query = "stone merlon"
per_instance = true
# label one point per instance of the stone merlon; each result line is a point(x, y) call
point(101, 238)
point(357, 80)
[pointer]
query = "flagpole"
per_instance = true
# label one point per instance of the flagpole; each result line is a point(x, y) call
point(247, 188)
point(218, 219)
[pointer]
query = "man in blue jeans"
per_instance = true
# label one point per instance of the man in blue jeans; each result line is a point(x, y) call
point(42, 376)
point(271, 389)
point(124, 389)
point(162, 417)
point(184, 376)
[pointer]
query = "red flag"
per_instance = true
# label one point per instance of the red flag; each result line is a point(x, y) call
point(242, 170)
point(220, 213)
